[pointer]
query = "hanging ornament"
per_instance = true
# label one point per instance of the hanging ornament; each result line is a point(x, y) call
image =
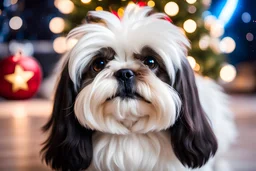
point(20, 77)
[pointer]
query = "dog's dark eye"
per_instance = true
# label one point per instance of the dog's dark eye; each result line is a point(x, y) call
point(150, 62)
point(99, 64)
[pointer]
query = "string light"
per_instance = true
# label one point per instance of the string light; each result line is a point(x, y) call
point(228, 73)
point(192, 61)
point(171, 8)
point(57, 25)
point(65, 6)
point(151, 3)
point(227, 45)
point(189, 26)
point(99, 8)
point(191, 1)
point(15, 23)
point(59, 45)
point(86, 1)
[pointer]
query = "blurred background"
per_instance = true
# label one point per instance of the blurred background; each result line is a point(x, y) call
point(32, 41)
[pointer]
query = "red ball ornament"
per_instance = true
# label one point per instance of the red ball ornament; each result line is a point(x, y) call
point(20, 77)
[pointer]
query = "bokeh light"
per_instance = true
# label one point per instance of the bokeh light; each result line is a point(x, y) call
point(246, 17)
point(99, 8)
point(189, 26)
point(209, 21)
point(228, 73)
point(191, 1)
point(249, 37)
point(59, 45)
point(197, 67)
point(171, 8)
point(192, 61)
point(71, 43)
point(191, 9)
point(151, 3)
point(13, 2)
point(227, 45)
point(85, 1)
point(15, 23)
point(65, 6)
point(217, 29)
point(120, 12)
point(57, 25)
point(204, 42)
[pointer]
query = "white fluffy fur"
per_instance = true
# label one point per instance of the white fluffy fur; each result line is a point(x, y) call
point(131, 133)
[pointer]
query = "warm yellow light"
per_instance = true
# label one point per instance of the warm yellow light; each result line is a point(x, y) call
point(191, 1)
point(217, 29)
point(59, 45)
point(204, 42)
point(227, 45)
point(85, 1)
point(15, 23)
point(228, 73)
point(71, 43)
point(65, 6)
point(120, 12)
point(197, 67)
point(189, 26)
point(57, 25)
point(99, 8)
point(13, 2)
point(192, 61)
point(151, 3)
point(19, 78)
point(171, 8)
point(209, 21)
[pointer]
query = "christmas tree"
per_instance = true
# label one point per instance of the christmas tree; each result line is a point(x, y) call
point(205, 55)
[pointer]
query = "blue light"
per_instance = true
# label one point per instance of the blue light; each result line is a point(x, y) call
point(228, 11)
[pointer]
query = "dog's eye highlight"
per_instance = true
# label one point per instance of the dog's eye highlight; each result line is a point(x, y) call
point(98, 64)
point(150, 62)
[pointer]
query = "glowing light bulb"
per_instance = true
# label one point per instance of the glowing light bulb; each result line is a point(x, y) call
point(65, 6)
point(228, 73)
point(227, 45)
point(190, 26)
point(171, 8)
point(151, 3)
point(57, 25)
point(192, 61)
point(86, 1)
point(15, 23)
point(59, 45)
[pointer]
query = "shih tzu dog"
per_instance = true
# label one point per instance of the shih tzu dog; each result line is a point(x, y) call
point(128, 100)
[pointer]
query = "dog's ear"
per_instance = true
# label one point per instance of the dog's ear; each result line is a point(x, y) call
point(192, 137)
point(69, 145)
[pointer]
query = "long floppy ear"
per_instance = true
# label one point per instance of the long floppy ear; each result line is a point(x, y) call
point(69, 145)
point(192, 138)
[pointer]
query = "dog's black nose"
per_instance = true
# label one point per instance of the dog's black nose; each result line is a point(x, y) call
point(124, 74)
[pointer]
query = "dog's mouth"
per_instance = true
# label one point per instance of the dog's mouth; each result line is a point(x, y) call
point(135, 95)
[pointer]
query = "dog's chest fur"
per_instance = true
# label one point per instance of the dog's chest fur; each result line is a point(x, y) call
point(135, 152)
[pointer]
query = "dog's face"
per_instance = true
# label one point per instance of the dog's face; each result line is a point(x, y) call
point(128, 76)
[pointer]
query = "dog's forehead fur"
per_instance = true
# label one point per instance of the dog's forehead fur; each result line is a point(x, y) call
point(127, 36)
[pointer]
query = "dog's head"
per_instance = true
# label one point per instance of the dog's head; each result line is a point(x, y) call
point(127, 76)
